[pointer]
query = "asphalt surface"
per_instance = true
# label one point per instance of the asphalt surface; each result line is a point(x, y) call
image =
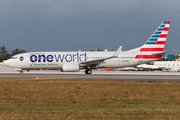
point(106, 75)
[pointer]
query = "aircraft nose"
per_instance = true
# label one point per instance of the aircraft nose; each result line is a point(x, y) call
point(6, 62)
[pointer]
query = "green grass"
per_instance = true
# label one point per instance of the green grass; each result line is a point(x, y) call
point(82, 99)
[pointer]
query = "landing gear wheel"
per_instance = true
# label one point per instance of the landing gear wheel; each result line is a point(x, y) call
point(89, 71)
point(21, 72)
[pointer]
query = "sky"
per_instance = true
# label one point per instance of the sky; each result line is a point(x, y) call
point(68, 25)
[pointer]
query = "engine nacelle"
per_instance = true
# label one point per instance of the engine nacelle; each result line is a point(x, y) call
point(70, 67)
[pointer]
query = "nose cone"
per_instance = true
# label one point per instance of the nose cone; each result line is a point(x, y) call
point(7, 62)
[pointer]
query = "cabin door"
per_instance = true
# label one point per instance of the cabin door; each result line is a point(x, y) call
point(140, 57)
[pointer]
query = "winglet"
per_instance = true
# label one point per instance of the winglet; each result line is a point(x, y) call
point(117, 52)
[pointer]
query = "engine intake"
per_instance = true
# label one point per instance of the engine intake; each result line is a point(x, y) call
point(70, 67)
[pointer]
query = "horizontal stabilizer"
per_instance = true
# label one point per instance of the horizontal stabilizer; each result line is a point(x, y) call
point(164, 53)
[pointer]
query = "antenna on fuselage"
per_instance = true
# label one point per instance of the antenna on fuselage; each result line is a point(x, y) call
point(88, 46)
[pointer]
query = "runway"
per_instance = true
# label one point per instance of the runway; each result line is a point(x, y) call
point(105, 75)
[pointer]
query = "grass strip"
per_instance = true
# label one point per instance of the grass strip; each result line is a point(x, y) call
point(88, 99)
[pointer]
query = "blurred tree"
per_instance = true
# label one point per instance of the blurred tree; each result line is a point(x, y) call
point(163, 59)
point(17, 51)
point(3, 51)
point(175, 57)
point(4, 55)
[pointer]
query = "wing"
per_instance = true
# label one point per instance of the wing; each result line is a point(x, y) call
point(99, 61)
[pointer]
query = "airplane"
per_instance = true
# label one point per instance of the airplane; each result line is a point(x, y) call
point(128, 69)
point(154, 67)
point(152, 50)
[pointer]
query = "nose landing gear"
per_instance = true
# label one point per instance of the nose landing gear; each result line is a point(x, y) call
point(21, 71)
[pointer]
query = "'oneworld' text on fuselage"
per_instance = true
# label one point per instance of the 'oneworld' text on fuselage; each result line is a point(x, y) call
point(58, 57)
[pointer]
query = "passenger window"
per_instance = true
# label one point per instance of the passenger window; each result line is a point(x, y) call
point(13, 57)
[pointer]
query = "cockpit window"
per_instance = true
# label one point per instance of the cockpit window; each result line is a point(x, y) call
point(13, 57)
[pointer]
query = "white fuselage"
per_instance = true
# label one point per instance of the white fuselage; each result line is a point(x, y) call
point(55, 60)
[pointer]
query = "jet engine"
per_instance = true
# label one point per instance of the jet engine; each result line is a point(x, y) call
point(70, 67)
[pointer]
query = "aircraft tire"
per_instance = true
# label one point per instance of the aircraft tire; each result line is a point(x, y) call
point(89, 71)
point(21, 72)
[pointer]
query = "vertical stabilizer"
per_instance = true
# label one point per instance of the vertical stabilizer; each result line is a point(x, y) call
point(157, 41)
point(155, 44)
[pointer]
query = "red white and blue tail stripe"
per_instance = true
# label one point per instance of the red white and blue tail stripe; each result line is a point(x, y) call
point(155, 43)
point(158, 39)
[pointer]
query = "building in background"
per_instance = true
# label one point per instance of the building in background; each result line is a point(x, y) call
point(170, 56)
point(174, 65)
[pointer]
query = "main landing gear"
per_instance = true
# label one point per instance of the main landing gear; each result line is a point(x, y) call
point(88, 71)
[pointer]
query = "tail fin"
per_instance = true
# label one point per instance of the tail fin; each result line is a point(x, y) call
point(157, 41)
point(154, 47)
